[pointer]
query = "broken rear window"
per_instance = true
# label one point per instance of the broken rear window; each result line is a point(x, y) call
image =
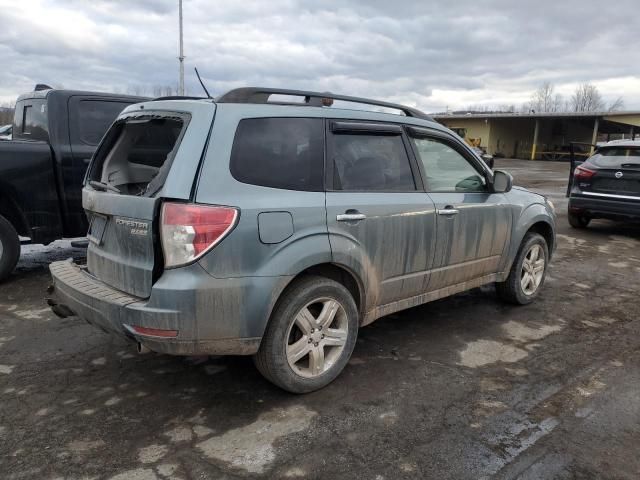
point(136, 155)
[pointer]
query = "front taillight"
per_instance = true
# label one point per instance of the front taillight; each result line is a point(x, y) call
point(583, 173)
point(188, 231)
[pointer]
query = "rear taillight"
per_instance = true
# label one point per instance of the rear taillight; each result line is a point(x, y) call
point(583, 173)
point(189, 231)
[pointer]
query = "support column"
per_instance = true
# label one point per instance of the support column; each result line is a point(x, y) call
point(632, 132)
point(535, 139)
point(594, 138)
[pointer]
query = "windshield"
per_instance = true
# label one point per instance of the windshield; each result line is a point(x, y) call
point(615, 157)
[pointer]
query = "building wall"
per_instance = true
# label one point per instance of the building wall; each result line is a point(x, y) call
point(511, 137)
point(476, 128)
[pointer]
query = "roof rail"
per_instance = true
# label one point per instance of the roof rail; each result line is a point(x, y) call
point(178, 97)
point(313, 99)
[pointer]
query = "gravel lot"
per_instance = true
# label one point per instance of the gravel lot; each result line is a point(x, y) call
point(465, 387)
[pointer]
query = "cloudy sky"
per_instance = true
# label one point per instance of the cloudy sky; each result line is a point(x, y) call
point(433, 55)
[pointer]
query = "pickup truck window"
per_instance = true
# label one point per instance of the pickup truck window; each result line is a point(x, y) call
point(31, 120)
point(137, 153)
point(95, 117)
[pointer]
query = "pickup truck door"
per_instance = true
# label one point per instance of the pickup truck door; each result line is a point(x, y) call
point(89, 119)
point(381, 223)
point(473, 224)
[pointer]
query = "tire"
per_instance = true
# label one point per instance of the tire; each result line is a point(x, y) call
point(9, 248)
point(328, 302)
point(578, 221)
point(513, 290)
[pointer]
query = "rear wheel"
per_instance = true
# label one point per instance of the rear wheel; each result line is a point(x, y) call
point(528, 271)
point(578, 221)
point(9, 248)
point(310, 336)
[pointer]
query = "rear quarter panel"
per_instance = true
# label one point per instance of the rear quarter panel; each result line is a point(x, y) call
point(243, 253)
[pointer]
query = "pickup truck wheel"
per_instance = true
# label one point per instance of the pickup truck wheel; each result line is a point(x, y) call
point(578, 221)
point(9, 248)
point(528, 271)
point(310, 337)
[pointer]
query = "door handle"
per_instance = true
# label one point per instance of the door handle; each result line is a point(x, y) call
point(350, 217)
point(448, 211)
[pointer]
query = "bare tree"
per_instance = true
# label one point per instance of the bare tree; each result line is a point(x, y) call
point(543, 99)
point(587, 98)
point(617, 105)
point(6, 113)
point(138, 90)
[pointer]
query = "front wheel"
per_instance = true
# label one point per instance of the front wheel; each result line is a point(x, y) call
point(528, 271)
point(9, 248)
point(310, 337)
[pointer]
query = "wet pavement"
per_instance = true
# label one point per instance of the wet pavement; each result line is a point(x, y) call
point(465, 387)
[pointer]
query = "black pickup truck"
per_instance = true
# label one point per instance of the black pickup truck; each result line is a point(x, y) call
point(55, 133)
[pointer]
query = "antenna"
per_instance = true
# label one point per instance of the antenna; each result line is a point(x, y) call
point(202, 83)
point(181, 57)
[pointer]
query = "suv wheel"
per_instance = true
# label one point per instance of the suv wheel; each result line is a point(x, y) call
point(9, 248)
point(528, 271)
point(578, 221)
point(310, 336)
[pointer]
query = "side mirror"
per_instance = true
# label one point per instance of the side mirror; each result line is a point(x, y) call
point(502, 181)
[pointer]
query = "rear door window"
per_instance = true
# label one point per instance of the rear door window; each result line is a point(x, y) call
point(370, 162)
point(286, 153)
point(136, 154)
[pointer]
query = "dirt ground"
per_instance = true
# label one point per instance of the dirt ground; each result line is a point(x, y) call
point(465, 387)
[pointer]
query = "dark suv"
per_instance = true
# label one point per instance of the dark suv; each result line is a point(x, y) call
point(607, 184)
point(270, 223)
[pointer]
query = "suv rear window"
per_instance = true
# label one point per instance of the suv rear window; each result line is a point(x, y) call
point(615, 157)
point(136, 154)
point(285, 153)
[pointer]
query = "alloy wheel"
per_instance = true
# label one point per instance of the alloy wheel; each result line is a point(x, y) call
point(316, 337)
point(532, 270)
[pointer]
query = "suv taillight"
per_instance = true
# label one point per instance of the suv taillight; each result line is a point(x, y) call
point(188, 231)
point(583, 173)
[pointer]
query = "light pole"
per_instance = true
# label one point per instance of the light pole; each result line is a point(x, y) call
point(181, 57)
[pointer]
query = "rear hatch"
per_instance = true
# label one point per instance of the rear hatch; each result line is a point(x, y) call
point(148, 154)
point(618, 171)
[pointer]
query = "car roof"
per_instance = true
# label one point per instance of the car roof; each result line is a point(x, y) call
point(41, 94)
point(258, 101)
point(621, 143)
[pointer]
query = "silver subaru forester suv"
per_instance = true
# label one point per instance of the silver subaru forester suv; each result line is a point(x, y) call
point(274, 223)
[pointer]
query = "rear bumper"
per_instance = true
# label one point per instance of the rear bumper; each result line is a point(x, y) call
point(212, 316)
point(604, 207)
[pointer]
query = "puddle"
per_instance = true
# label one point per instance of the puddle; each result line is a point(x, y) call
point(179, 434)
point(486, 352)
point(251, 447)
point(523, 333)
point(137, 474)
point(152, 453)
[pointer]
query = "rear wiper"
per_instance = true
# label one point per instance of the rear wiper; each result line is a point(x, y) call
point(103, 186)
